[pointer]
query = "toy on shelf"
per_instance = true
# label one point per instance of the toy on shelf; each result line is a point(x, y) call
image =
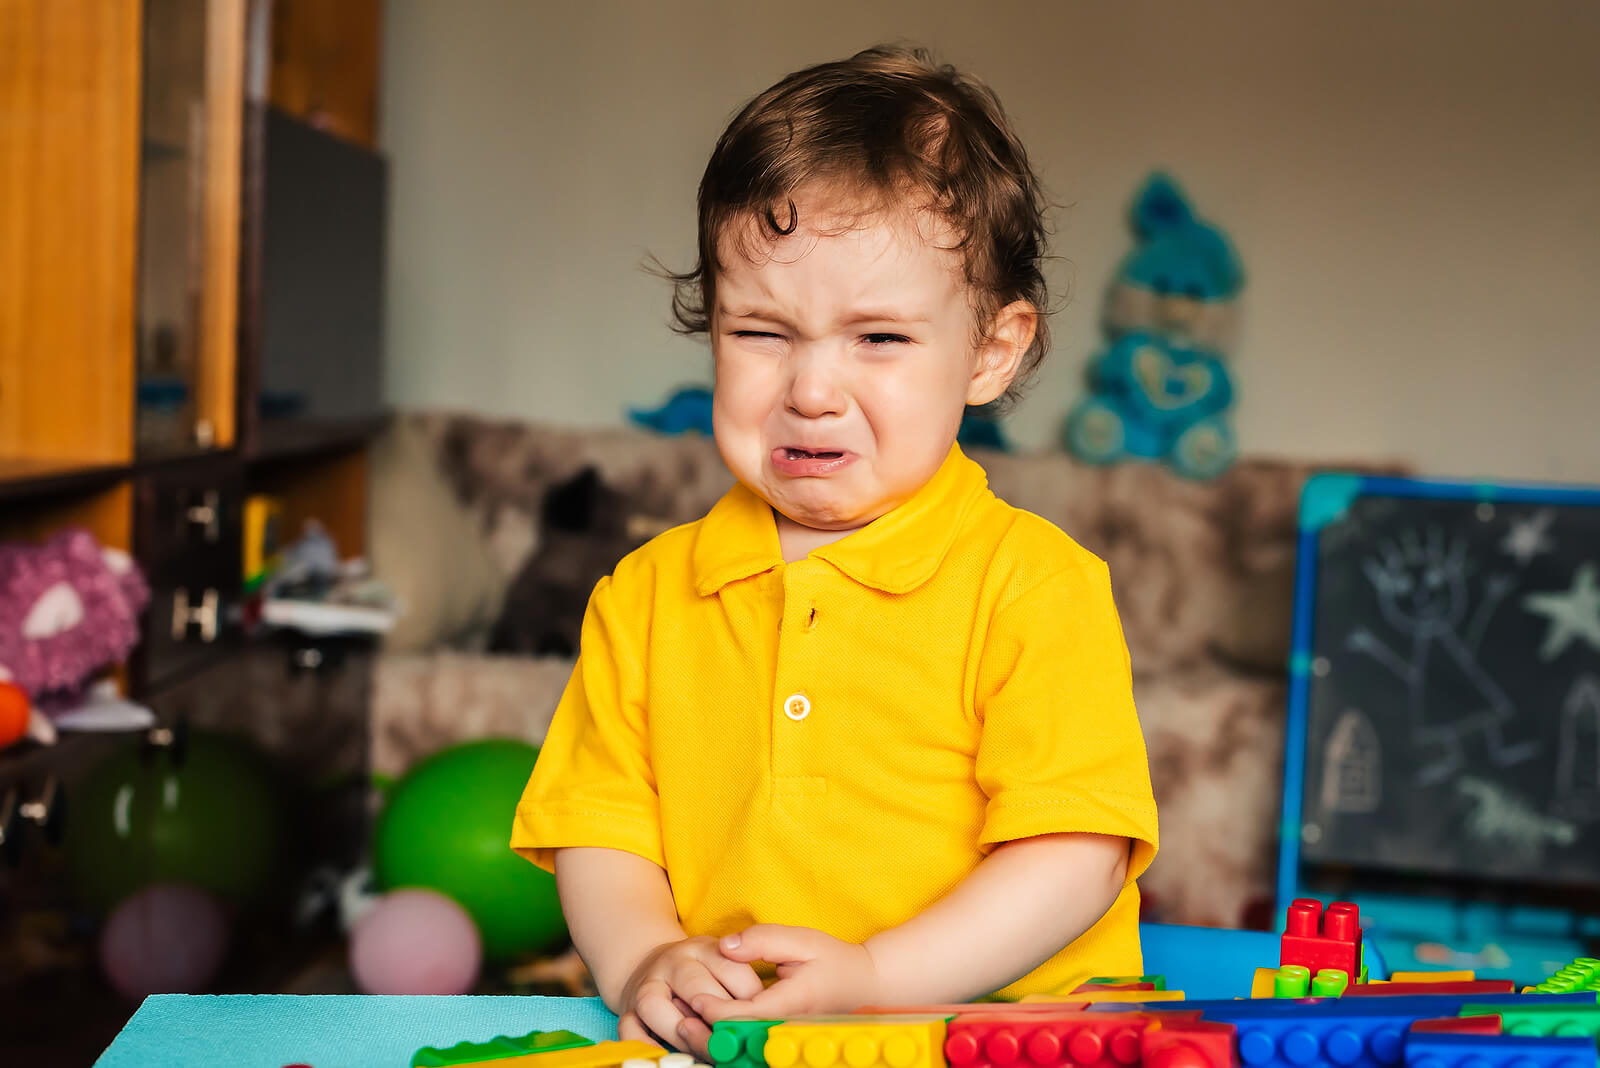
point(1160, 389)
point(307, 588)
point(69, 611)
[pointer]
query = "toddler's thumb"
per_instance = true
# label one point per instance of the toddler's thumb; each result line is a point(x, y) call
point(771, 942)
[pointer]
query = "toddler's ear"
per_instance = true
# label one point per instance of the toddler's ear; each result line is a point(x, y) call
point(1000, 357)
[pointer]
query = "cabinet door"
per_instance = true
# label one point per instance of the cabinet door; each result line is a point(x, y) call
point(189, 170)
point(68, 130)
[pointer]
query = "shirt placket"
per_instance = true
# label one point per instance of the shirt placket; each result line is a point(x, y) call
point(795, 707)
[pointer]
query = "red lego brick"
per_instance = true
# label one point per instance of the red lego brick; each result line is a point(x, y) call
point(1094, 988)
point(1168, 1043)
point(1460, 1025)
point(1477, 986)
point(976, 1008)
point(1029, 1040)
point(1318, 939)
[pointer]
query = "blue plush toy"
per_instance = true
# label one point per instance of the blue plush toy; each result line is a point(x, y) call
point(1160, 390)
point(688, 410)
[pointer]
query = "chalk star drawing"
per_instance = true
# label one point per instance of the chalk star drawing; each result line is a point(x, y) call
point(1352, 765)
point(1573, 614)
point(1529, 536)
point(1424, 595)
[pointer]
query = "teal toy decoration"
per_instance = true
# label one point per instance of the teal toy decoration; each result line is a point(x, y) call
point(1160, 389)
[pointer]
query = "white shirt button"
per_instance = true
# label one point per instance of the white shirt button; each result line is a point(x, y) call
point(797, 706)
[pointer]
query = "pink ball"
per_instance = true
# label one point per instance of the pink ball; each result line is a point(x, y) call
point(415, 941)
point(168, 938)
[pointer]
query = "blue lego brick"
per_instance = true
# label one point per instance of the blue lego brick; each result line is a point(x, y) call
point(1498, 1051)
point(1413, 1006)
point(1369, 1033)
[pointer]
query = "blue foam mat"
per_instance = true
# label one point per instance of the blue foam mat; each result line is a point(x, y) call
point(332, 1030)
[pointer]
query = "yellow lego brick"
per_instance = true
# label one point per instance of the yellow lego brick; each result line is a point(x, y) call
point(857, 1042)
point(1264, 985)
point(599, 1055)
point(1133, 996)
point(1430, 977)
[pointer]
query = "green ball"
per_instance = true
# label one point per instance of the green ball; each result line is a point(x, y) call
point(447, 827)
point(209, 815)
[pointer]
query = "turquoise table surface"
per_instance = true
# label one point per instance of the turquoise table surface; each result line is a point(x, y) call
point(332, 1030)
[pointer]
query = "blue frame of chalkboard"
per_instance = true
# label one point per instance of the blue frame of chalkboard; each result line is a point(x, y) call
point(1325, 498)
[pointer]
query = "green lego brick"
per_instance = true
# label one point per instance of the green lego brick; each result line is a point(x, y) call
point(1158, 981)
point(1293, 981)
point(497, 1048)
point(1329, 983)
point(1581, 974)
point(1560, 1021)
point(739, 1043)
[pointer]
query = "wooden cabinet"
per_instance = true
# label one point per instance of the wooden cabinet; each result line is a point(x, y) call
point(131, 243)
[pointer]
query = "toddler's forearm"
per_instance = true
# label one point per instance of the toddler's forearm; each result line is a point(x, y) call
point(1028, 900)
point(618, 908)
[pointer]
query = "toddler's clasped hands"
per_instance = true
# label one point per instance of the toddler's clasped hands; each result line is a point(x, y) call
point(681, 989)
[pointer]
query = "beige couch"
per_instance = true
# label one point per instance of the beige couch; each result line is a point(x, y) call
point(1202, 574)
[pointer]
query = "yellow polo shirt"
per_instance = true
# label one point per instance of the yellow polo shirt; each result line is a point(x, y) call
point(839, 741)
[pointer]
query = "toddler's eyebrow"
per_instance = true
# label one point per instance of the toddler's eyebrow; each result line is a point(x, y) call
point(854, 318)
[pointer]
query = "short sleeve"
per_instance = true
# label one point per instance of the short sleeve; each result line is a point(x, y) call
point(1061, 749)
point(593, 784)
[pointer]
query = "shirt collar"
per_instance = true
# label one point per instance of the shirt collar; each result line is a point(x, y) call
point(894, 553)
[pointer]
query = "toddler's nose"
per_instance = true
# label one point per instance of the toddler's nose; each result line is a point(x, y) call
point(814, 390)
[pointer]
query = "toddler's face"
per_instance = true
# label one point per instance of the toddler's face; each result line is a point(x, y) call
point(845, 355)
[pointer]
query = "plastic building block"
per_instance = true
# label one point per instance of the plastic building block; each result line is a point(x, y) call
point(497, 1048)
point(738, 1043)
point(1157, 982)
point(974, 1008)
point(1488, 1024)
point(595, 1055)
point(1263, 985)
point(1318, 939)
point(1560, 1020)
point(1581, 974)
point(1433, 977)
point(1293, 981)
point(1029, 1040)
point(1138, 996)
point(1189, 1044)
point(1094, 985)
point(857, 1042)
point(1504, 1051)
point(1476, 986)
point(1329, 983)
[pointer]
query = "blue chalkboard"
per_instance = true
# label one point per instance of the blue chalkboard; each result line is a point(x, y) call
point(1445, 696)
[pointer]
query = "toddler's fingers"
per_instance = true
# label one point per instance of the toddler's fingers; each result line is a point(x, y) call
point(630, 1029)
point(737, 978)
point(696, 1036)
point(779, 1001)
point(657, 1012)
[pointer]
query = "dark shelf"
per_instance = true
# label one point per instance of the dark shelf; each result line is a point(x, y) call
point(24, 478)
point(292, 438)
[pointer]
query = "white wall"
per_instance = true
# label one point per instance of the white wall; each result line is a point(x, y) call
point(1414, 188)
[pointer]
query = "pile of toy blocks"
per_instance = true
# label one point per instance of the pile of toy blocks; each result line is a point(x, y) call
point(1316, 1009)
